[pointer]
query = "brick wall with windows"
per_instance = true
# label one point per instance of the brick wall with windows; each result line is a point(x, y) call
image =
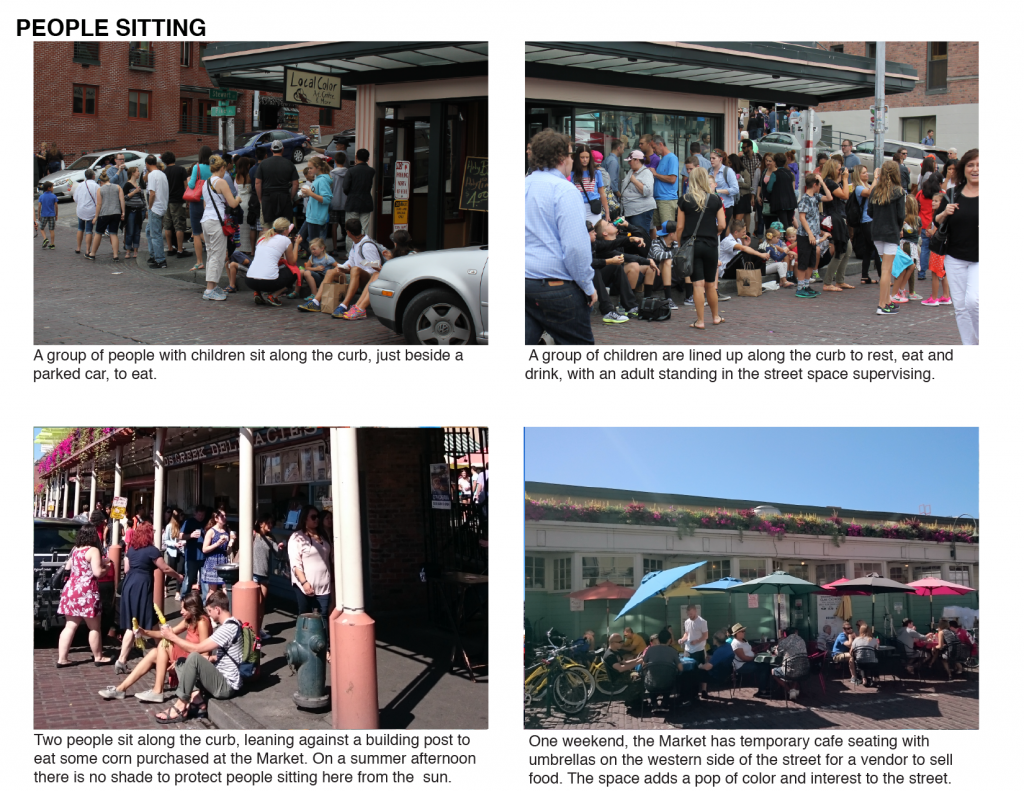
point(961, 74)
point(174, 81)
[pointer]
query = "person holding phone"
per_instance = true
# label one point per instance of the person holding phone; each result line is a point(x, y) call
point(192, 535)
point(215, 547)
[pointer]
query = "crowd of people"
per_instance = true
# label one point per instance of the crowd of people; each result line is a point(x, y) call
point(596, 225)
point(253, 216)
point(200, 656)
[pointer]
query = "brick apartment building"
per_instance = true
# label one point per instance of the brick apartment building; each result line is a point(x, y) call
point(945, 99)
point(147, 95)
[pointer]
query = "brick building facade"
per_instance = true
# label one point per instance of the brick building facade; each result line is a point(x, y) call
point(150, 96)
point(945, 99)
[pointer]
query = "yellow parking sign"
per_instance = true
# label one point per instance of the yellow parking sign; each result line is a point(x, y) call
point(401, 218)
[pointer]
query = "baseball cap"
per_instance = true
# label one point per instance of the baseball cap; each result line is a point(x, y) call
point(667, 227)
point(636, 155)
point(277, 145)
point(598, 156)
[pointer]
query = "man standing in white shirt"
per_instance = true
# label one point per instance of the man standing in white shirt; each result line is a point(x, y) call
point(158, 194)
point(695, 633)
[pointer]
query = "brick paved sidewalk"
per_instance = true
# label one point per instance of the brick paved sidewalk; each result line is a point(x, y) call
point(916, 705)
point(847, 317)
point(121, 302)
point(68, 698)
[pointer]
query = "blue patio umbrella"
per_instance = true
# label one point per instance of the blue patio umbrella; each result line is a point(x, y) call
point(656, 583)
point(720, 586)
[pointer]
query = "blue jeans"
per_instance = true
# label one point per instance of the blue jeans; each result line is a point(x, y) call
point(133, 228)
point(310, 231)
point(642, 220)
point(925, 242)
point(564, 311)
point(155, 237)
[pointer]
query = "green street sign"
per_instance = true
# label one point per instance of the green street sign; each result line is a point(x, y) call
point(229, 96)
point(223, 111)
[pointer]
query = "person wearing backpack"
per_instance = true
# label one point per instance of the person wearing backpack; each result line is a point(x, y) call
point(220, 679)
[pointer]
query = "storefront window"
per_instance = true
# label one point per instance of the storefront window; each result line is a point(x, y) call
point(220, 485)
point(181, 488)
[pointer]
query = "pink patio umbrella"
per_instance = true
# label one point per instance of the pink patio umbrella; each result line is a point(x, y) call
point(472, 460)
point(929, 586)
point(607, 590)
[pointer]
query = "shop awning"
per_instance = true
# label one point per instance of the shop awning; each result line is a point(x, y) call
point(259, 65)
point(762, 71)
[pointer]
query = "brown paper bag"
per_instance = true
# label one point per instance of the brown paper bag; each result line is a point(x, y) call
point(331, 296)
point(748, 282)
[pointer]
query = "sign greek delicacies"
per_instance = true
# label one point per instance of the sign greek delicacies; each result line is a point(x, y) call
point(313, 88)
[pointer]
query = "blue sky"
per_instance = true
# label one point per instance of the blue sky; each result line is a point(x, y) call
point(857, 468)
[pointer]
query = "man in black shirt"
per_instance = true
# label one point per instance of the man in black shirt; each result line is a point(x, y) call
point(276, 185)
point(177, 211)
point(193, 530)
point(612, 659)
point(356, 185)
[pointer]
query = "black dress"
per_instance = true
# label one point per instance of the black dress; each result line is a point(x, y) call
point(137, 588)
point(783, 197)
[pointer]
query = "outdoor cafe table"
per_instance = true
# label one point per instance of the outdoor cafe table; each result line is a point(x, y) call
point(925, 645)
point(766, 658)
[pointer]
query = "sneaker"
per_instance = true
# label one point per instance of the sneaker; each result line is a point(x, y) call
point(914, 296)
point(150, 696)
point(688, 301)
point(722, 297)
point(802, 291)
point(930, 302)
point(215, 295)
point(272, 300)
point(112, 693)
point(793, 694)
point(310, 306)
point(151, 260)
point(154, 265)
point(355, 313)
point(633, 312)
point(815, 277)
point(46, 243)
point(888, 310)
point(614, 318)
point(899, 298)
point(672, 305)
point(945, 301)
point(257, 297)
point(184, 254)
point(339, 312)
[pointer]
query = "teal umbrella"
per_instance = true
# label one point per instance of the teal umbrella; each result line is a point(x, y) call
point(777, 582)
point(724, 585)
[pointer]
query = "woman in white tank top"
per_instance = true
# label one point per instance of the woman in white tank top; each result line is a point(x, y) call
point(218, 197)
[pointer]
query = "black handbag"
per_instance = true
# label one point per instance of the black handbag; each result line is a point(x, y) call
point(683, 259)
point(595, 203)
point(940, 239)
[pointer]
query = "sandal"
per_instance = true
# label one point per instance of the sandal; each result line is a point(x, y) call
point(116, 258)
point(198, 710)
point(721, 320)
point(293, 295)
point(173, 715)
point(197, 268)
point(228, 290)
point(867, 281)
point(695, 327)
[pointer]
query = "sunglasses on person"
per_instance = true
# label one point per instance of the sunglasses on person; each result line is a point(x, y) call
point(314, 516)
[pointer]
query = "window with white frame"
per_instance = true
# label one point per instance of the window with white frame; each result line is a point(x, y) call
point(863, 569)
point(653, 564)
point(899, 574)
point(534, 572)
point(960, 575)
point(920, 572)
point(751, 569)
point(829, 572)
point(597, 569)
point(800, 570)
point(716, 569)
point(562, 574)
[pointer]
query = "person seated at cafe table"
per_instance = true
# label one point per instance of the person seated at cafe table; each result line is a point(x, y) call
point(615, 659)
point(719, 665)
point(906, 635)
point(789, 647)
point(947, 641)
point(743, 662)
point(841, 646)
point(591, 640)
point(660, 652)
point(634, 643)
point(863, 640)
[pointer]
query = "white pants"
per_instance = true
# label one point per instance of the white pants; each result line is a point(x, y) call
point(777, 267)
point(963, 288)
point(216, 250)
point(886, 248)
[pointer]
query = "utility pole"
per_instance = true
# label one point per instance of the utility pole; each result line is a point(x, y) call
point(881, 119)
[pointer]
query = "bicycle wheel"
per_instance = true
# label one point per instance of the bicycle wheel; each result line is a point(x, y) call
point(605, 684)
point(536, 685)
point(568, 664)
point(570, 691)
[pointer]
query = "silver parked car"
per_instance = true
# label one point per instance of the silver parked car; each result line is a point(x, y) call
point(64, 181)
point(435, 298)
point(781, 142)
point(915, 155)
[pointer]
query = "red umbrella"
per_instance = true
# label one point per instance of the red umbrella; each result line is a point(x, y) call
point(929, 586)
point(607, 590)
point(473, 459)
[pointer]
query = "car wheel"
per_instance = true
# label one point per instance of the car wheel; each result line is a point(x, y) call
point(437, 317)
point(298, 155)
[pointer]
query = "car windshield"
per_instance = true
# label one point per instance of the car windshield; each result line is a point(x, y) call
point(52, 539)
point(83, 163)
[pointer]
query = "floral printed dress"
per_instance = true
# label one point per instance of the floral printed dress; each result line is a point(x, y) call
point(81, 594)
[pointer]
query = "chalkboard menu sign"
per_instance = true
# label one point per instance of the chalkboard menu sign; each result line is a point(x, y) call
point(474, 185)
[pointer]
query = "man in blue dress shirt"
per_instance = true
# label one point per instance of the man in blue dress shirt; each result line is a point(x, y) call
point(559, 278)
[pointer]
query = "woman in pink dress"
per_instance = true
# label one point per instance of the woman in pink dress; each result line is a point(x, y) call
point(80, 597)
